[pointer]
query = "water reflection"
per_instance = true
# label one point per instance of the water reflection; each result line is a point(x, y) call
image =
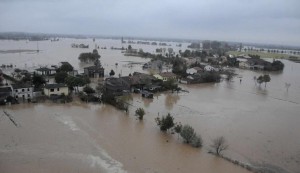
point(171, 99)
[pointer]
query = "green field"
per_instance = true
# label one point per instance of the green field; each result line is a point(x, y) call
point(263, 54)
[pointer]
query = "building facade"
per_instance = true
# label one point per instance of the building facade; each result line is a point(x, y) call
point(56, 89)
point(22, 91)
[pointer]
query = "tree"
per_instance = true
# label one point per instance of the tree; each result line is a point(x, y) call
point(187, 133)
point(72, 81)
point(140, 112)
point(219, 144)
point(88, 90)
point(112, 73)
point(17, 70)
point(170, 84)
point(266, 78)
point(179, 66)
point(99, 88)
point(26, 78)
point(165, 123)
point(38, 80)
point(60, 77)
point(197, 141)
point(65, 67)
point(89, 57)
point(260, 80)
point(178, 128)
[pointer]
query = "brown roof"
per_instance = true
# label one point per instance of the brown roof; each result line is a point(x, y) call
point(167, 74)
point(56, 85)
point(198, 68)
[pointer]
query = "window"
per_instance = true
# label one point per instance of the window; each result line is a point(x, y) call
point(57, 89)
point(51, 90)
point(28, 95)
point(28, 89)
point(16, 91)
point(23, 90)
point(16, 97)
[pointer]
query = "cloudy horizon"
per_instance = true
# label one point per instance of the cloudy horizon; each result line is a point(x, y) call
point(256, 21)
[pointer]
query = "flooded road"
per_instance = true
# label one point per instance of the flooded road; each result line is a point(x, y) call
point(261, 124)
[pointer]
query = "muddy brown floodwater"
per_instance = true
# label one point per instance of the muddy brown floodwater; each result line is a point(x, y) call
point(261, 124)
point(94, 138)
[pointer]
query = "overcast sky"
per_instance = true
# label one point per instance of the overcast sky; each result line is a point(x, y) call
point(261, 21)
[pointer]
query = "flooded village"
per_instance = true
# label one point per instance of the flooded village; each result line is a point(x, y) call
point(68, 108)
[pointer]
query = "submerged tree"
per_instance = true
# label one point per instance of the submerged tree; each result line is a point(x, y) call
point(140, 112)
point(267, 78)
point(60, 77)
point(65, 67)
point(111, 73)
point(178, 128)
point(197, 141)
point(165, 123)
point(38, 80)
point(219, 144)
point(264, 79)
point(187, 133)
point(89, 90)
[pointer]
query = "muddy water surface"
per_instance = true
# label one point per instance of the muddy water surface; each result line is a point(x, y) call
point(93, 138)
point(261, 124)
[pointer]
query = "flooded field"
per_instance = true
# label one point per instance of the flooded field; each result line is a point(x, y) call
point(94, 138)
point(261, 124)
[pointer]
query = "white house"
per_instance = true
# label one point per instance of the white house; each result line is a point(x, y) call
point(194, 70)
point(22, 91)
point(209, 68)
point(165, 76)
point(45, 71)
point(56, 89)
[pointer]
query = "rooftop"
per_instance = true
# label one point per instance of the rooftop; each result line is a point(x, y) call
point(93, 68)
point(56, 85)
point(167, 74)
point(197, 68)
point(5, 89)
point(44, 69)
point(18, 86)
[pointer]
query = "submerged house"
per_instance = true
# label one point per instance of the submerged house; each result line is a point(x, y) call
point(94, 71)
point(45, 71)
point(56, 89)
point(254, 64)
point(139, 81)
point(194, 70)
point(5, 91)
point(165, 76)
point(116, 86)
point(22, 91)
point(209, 68)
